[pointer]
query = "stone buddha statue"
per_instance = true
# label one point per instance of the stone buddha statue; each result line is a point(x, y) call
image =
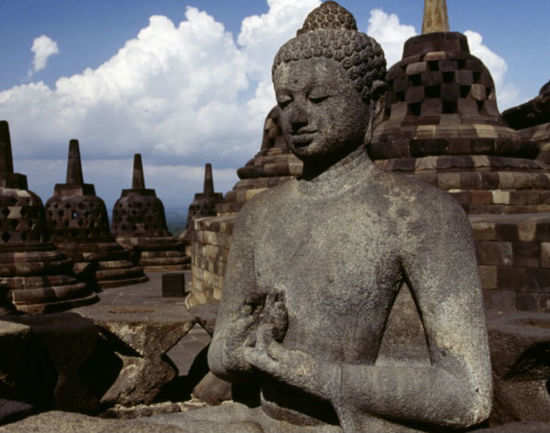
point(316, 264)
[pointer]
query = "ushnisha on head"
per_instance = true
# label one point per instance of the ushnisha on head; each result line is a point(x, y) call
point(327, 80)
point(330, 31)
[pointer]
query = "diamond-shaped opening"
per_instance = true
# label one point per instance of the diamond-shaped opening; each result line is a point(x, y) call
point(450, 107)
point(464, 91)
point(480, 106)
point(433, 65)
point(461, 64)
point(433, 91)
point(414, 109)
point(415, 80)
point(448, 77)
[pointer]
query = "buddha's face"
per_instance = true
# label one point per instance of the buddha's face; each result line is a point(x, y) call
point(321, 112)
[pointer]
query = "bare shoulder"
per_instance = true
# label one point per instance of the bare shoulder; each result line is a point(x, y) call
point(259, 207)
point(422, 205)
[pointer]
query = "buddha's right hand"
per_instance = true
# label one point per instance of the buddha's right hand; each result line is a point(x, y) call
point(262, 309)
point(240, 331)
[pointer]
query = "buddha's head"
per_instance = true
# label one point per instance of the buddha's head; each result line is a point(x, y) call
point(326, 81)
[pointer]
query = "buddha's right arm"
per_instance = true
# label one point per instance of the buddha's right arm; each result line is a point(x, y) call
point(237, 314)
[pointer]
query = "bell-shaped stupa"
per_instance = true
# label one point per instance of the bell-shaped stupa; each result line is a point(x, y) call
point(204, 203)
point(78, 223)
point(440, 121)
point(139, 225)
point(34, 276)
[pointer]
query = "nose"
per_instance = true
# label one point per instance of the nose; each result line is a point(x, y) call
point(297, 116)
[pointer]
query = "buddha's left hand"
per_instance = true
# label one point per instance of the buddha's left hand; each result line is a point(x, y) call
point(293, 367)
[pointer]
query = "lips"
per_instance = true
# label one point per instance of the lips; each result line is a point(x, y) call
point(302, 139)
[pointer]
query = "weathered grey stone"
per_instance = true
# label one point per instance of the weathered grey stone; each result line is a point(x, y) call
point(140, 336)
point(316, 264)
point(519, 427)
point(520, 350)
point(11, 411)
point(49, 371)
point(213, 390)
point(67, 422)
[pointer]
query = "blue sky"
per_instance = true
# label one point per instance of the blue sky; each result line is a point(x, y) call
point(192, 84)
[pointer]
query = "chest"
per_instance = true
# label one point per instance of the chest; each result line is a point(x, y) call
point(343, 256)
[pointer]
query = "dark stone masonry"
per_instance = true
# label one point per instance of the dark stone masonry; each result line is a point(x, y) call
point(37, 276)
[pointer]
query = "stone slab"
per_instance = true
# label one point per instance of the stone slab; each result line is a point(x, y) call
point(173, 284)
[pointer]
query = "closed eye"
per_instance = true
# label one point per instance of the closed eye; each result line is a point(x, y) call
point(317, 99)
point(318, 94)
point(283, 100)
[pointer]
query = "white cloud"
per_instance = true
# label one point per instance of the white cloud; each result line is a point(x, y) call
point(181, 94)
point(389, 33)
point(507, 93)
point(43, 47)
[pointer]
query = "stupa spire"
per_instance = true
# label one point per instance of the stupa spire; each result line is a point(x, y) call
point(74, 165)
point(435, 16)
point(138, 179)
point(208, 180)
point(6, 159)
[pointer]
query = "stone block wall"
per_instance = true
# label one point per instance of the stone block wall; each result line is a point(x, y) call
point(513, 253)
point(210, 250)
point(514, 260)
point(540, 135)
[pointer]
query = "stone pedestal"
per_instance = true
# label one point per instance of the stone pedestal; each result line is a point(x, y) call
point(78, 223)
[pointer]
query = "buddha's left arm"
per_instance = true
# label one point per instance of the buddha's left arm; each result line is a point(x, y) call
point(455, 390)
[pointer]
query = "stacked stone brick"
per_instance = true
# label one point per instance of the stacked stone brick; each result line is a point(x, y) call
point(440, 123)
point(78, 223)
point(34, 276)
point(514, 260)
point(139, 225)
point(210, 249)
point(272, 165)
